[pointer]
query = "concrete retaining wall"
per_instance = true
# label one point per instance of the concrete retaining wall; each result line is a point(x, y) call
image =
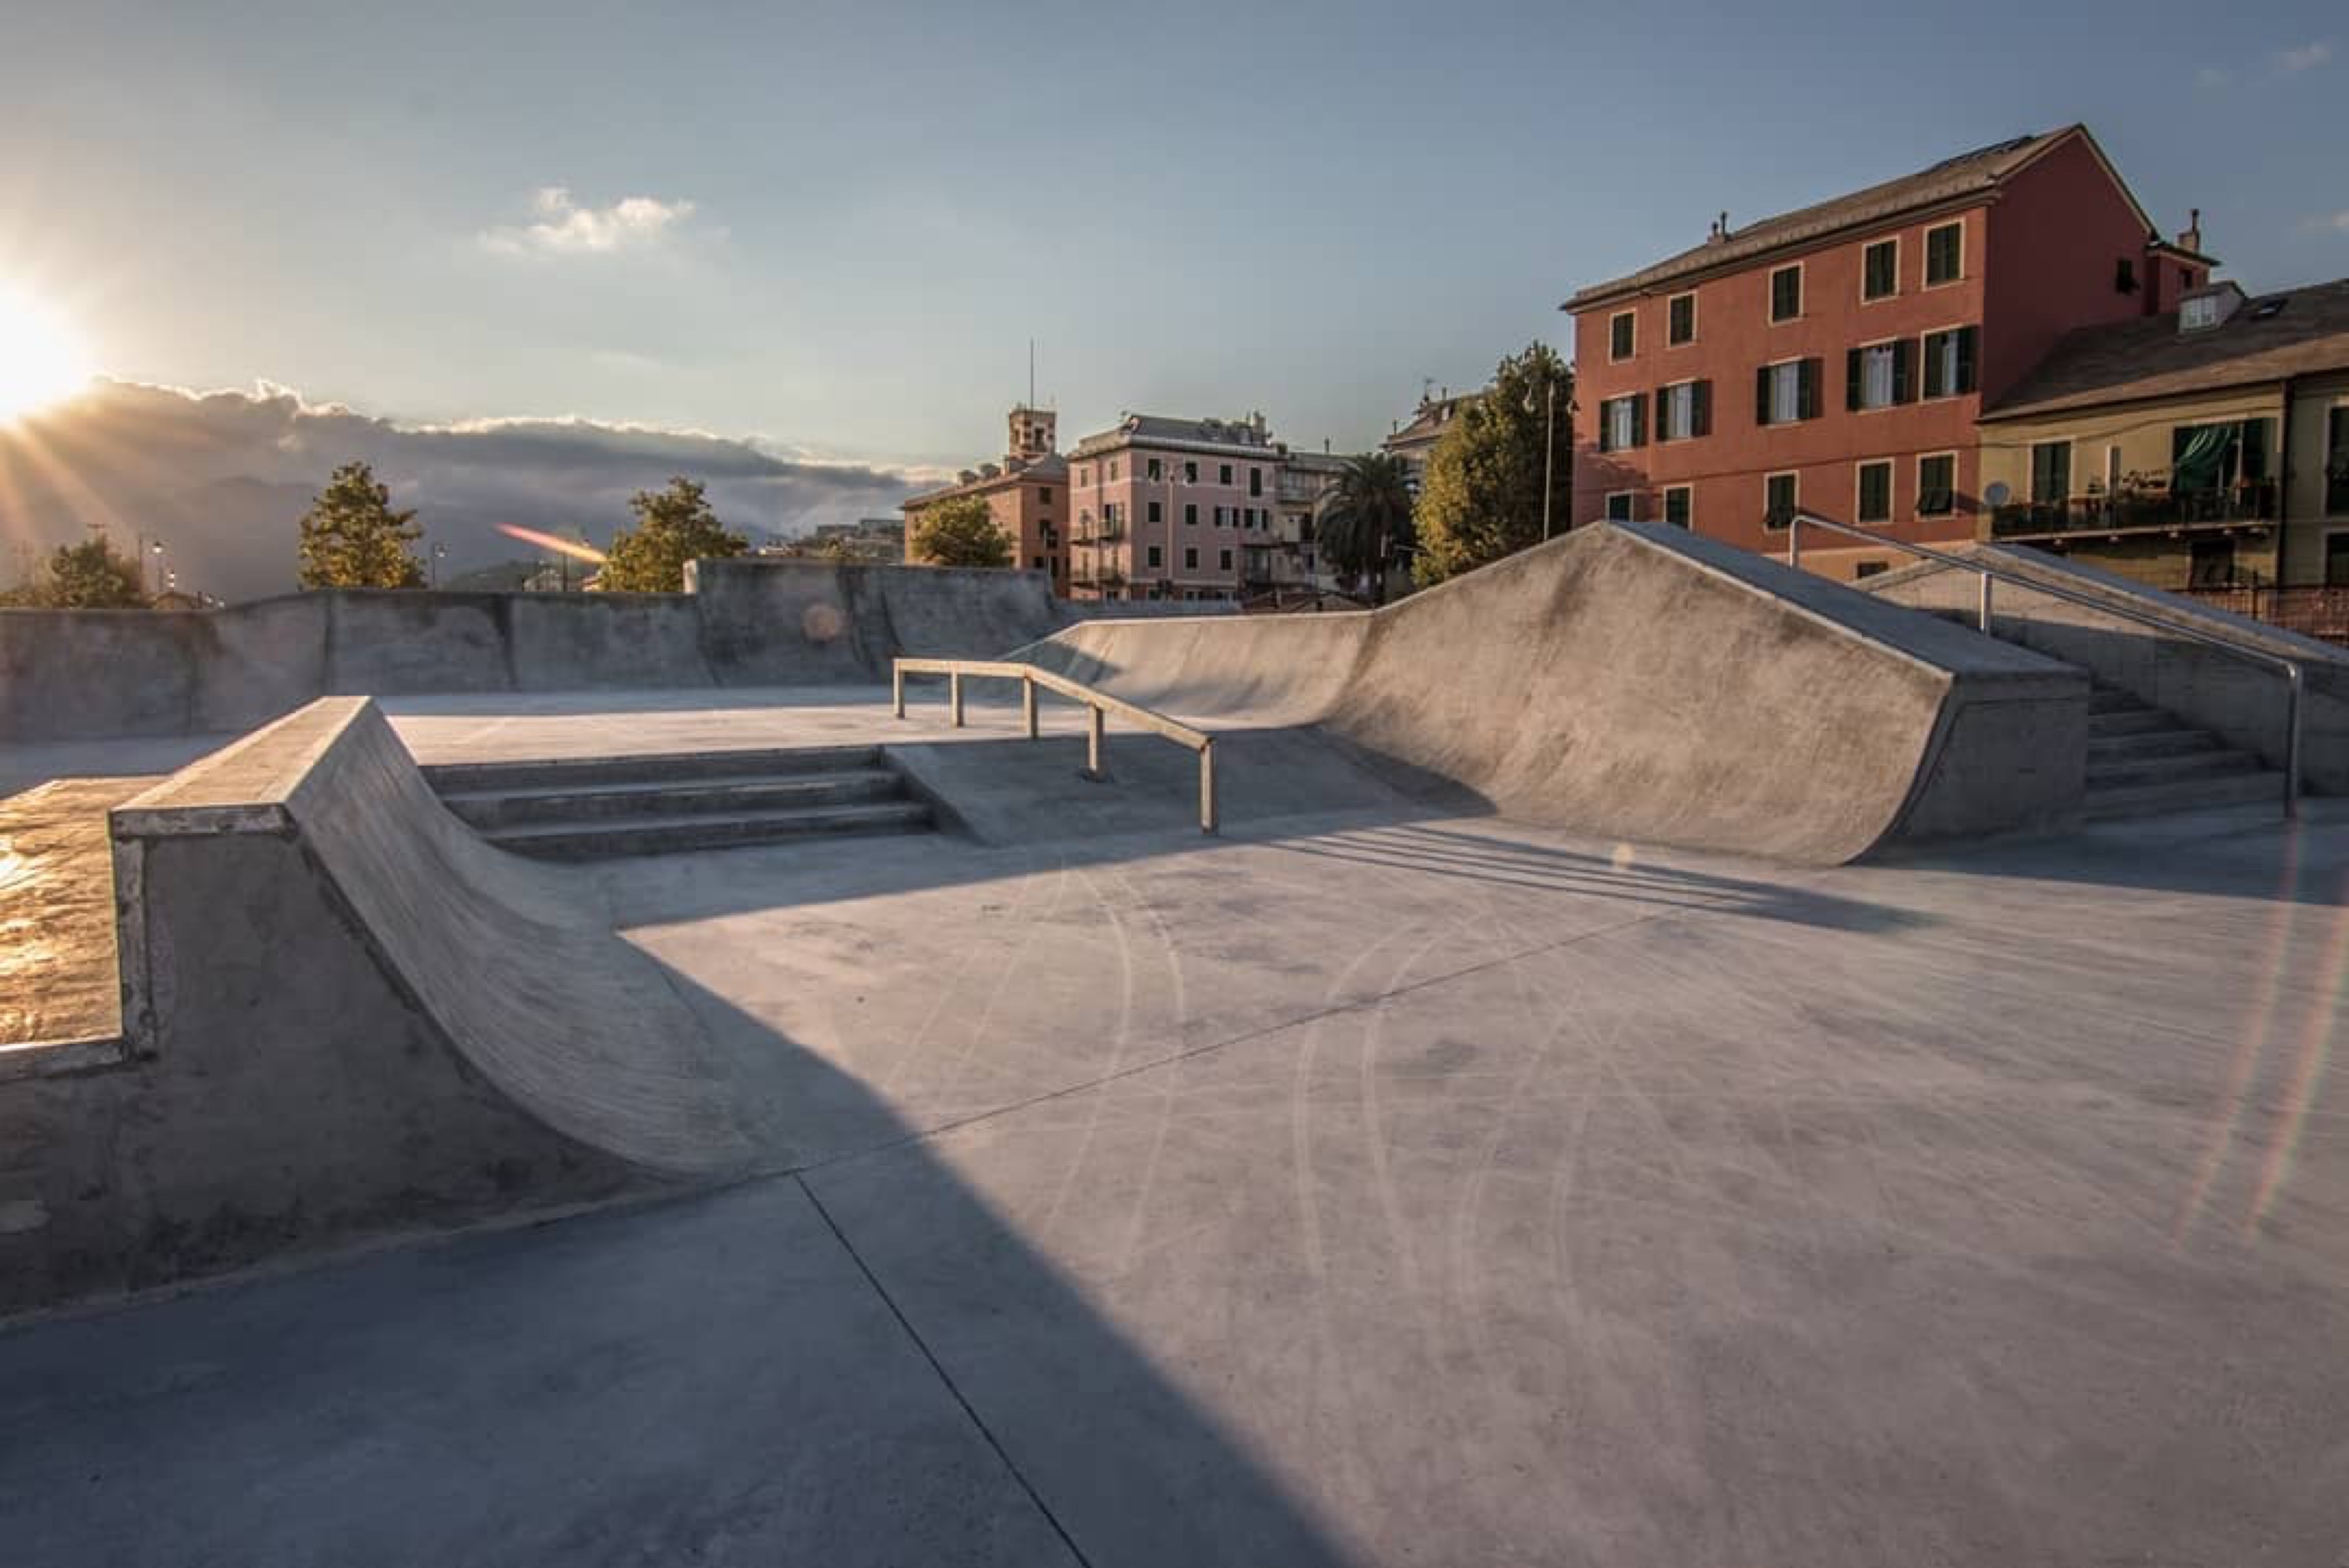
point(1634, 680)
point(2240, 701)
point(85, 674)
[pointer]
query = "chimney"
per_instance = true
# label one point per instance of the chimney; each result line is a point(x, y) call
point(2191, 238)
point(1720, 231)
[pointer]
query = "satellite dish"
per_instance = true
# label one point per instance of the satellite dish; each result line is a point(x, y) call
point(1996, 492)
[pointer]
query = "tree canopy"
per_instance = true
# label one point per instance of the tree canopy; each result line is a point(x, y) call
point(352, 537)
point(673, 526)
point(1482, 496)
point(1363, 526)
point(87, 576)
point(959, 532)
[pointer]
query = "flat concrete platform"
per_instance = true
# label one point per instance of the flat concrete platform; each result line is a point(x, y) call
point(1366, 1189)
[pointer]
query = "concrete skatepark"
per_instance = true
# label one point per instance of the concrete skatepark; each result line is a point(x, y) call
point(1654, 1068)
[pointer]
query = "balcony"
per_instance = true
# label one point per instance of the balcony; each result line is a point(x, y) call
point(1099, 533)
point(2152, 512)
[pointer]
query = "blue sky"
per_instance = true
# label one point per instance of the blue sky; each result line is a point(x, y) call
point(848, 221)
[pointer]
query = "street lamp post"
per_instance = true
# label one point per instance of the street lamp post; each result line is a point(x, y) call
point(438, 550)
point(1549, 446)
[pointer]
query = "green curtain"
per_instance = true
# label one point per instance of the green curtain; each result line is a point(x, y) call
point(2198, 457)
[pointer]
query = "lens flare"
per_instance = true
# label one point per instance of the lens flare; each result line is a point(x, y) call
point(42, 361)
point(2324, 1020)
point(573, 548)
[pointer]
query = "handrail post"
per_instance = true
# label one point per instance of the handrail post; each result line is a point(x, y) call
point(953, 695)
point(1028, 703)
point(1207, 787)
point(2291, 742)
point(897, 689)
point(1795, 541)
point(1094, 742)
point(1986, 581)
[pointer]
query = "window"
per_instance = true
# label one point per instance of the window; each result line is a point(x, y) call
point(1083, 475)
point(1037, 562)
point(1153, 512)
point(1113, 467)
point(1256, 481)
point(1044, 495)
point(1867, 569)
point(1950, 361)
point(1937, 485)
point(1684, 411)
point(1190, 557)
point(2336, 461)
point(1676, 505)
point(1786, 293)
point(1779, 494)
point(1786, 391)
point(1680, 320)
point(1879, 270)
point(1622, 423)
point(2213, 459)
point(1154, 556)
point(1877, 375)
point(1226, 475)
point(1154, 467)
point(2336, 561)
point(2195, 313)
point(2051, 474)
point(1621, 335)
point(1113, 513)
point(2210, 563)
point(1944, 254)
point(1623, 506)
point(1225, 563)
point(2124, 276)
point(1190, 514)
point(1190, 473)
point(1875, 500)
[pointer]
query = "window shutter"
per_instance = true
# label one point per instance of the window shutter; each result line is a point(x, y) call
point(1851, 375)
point(1904, 387)
point(1762, 396)
point(1806, 391)
point(1967, 339)
point(1607, 427)
point(1639, 421)
point(1700, 409)
point(1663, 425)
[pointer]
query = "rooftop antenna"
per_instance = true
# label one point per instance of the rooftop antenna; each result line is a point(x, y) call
point(1031, 372)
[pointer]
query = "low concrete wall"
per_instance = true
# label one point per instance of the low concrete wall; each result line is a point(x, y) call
point(85, 673)
point(2237, 700)
point(1634, 680)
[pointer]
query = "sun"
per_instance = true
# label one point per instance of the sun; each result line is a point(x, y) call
point(41, 360)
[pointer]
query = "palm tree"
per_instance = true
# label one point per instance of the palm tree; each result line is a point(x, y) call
point(1363, 525)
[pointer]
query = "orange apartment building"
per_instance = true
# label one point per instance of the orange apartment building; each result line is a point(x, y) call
point(1835, 359)
point(1026, 494)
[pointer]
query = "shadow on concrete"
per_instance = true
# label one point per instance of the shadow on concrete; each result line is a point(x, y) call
point(2247, 852)
point(774, 1371)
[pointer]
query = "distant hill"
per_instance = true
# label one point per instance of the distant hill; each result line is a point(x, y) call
point(223, 478)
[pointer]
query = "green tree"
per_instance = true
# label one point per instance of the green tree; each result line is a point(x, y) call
point(351, 537)
point(1482, 497)
point(87, 576)
point(1363, 526)
point(673, 526)
point(958, 532)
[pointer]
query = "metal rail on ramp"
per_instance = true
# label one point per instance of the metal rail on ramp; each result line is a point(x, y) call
point(1099, 706)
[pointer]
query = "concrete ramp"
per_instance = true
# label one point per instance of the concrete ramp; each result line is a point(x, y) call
point(344, 1015)
point(1637, 681)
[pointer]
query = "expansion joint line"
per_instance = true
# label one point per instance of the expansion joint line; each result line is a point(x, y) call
point(944, 1377)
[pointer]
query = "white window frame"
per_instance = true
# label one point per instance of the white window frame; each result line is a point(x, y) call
point(1925, 354)
point(1894, 241)
point(1664, 515)
point(1671, 389)
point(1925, 254)
point(1793, 474)
point(1795, 416)
point(1916, 505)
point(1670, 300)
point(2031, 471)
point(1630, 498)
point(1770, 292)
point(1891, 374)
point(1891, 491)
point(1633, 316)
point(1623, 409)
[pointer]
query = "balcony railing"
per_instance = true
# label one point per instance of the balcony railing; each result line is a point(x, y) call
point(2253, 501)
point(1100, 533)
point(2321, 612)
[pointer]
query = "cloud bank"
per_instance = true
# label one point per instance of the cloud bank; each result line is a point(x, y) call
point(563, 228)
point(223, 478)
point(2306, 58)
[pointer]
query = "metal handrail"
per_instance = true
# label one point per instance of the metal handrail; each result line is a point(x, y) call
point(2295, 678)
point(1099, 706)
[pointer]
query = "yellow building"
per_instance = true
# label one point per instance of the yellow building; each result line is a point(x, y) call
point(2207, 448)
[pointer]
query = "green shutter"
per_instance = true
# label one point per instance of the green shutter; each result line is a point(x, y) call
point(1852, 373)
point(1806, 389)
point(1967, 338)
point(1904, 385)
point(1700, 410)
point(1762, 396)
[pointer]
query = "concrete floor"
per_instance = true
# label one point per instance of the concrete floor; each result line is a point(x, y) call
point(1361, 1191)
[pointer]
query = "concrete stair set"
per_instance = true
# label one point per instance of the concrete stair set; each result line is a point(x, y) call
point(2143, 761)
point(598, 808)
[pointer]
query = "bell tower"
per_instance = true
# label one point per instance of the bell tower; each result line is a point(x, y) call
point(1035, 433)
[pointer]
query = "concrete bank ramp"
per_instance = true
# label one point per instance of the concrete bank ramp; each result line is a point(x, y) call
point(1637, 681)
point(344, 1015)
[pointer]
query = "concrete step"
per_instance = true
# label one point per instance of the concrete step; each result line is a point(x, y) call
point(2105, 749)
point(2133, 721)
point(2124, 772)
point(2261, 786)
point(2112, 699)
point(494, 809)
point(697, 831)
point(561, 773)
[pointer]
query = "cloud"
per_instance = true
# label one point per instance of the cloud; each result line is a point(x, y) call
point(563, 228)
point(2336, 222)
point(2306, 58)
point(2210, 79)
point(222, 477)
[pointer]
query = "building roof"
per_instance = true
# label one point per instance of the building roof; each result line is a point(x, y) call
point(1429, 421)
point(1047, 470)
point(1974, 173)
point(1160, 430)
point(2270, 336)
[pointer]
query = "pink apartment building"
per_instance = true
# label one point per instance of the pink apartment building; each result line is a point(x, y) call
point(1187, 509)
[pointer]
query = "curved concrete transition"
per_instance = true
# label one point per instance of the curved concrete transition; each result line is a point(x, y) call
point(1636, 681)
point(345, 1014)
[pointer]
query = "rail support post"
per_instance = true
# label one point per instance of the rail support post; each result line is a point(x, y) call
point(1795, 542)
point(2292, 744)
point(897, 690)
point(1094, 720)
point(1028, 703)
point(954, 696)
point(1985, 604)
point(1207, 817)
